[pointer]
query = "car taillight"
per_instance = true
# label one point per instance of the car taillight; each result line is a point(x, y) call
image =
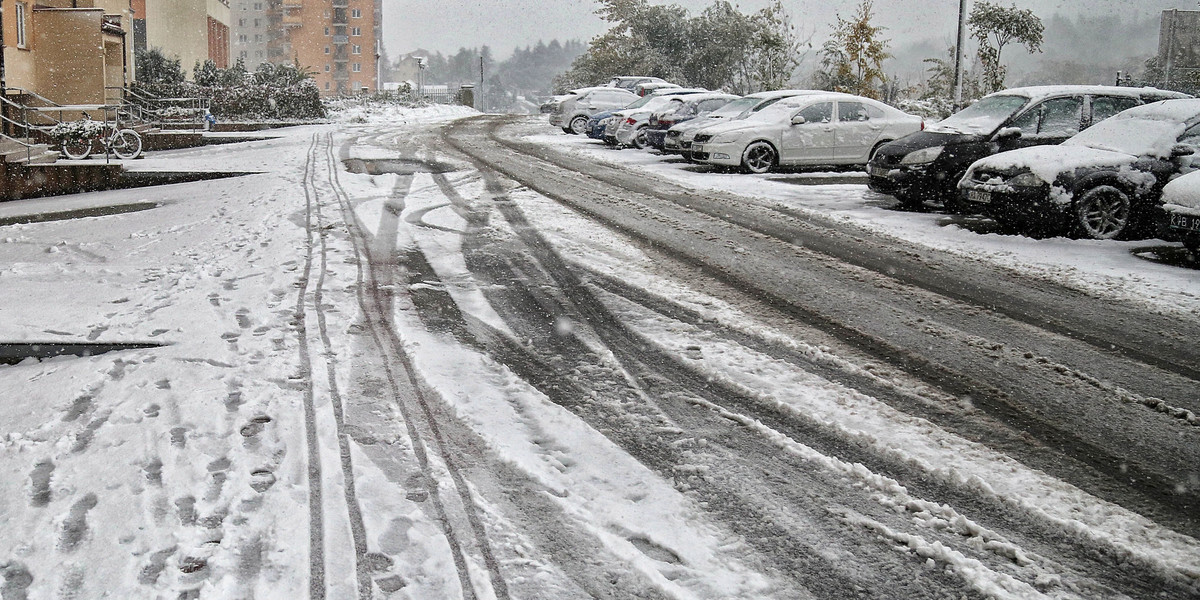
point(922, 124)
point(631, 121)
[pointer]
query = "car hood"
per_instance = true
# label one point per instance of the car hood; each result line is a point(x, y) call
point(698, 123)
point(926, 139)
point(740, 125)
point(1048, 162)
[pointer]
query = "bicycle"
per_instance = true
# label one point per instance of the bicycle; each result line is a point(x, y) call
point(126, 144)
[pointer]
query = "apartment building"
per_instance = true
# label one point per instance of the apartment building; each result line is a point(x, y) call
point(335, 39)
point(250, 32)
point(191, 30)
point(68, 51)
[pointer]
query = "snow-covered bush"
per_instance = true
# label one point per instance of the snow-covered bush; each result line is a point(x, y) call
point(934, 109)
point(83, 129)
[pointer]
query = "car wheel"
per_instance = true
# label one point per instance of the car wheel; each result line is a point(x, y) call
point(639, 138)
point(1102, 213)
point(759, 157)
point(1192, 244)
point(567, 130)
point(910, 201)
point(579, 125)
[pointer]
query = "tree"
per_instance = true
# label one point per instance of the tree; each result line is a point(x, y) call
point(154, 67)
point(994, 27)
point(852, 59)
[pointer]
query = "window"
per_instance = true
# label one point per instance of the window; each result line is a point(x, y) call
point(852, 111)
point(1057, 117)
point(357, 50)
point(1104, 107)
point(1191, 137)
point(242, 38)
point(818, 113)
point(21, 40)
point(241, 22)
point(326, 68)
point(258, 6)
point(356, 31)
point(243, 54)
point(258, 54)
point(326, 31)
point(258, 22)
point(326, 49)
point(358, 67)
point(356, 13)
point(326, 85)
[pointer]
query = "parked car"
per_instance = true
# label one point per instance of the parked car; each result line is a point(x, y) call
point(819, 129)
point(651, 87)
point(928, 164)
point(1181, 208)
point(691, 107)
point(1102, 183)
point(679, 137)
point(628, 82)
point(627, 126)
point(572, 112)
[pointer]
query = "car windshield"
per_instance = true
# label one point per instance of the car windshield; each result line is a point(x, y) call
point(1137, 136)
point(773, 113)
point(983, 117)
point(640, 102)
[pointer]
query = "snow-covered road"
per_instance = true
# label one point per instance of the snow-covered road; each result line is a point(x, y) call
point(407, 360)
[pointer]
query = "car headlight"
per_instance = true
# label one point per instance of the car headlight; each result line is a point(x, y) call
point(923, 156)
point(1026, 180)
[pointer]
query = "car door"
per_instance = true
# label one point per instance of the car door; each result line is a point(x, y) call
point(813, 142)
point(1190, 138)
point(856, 131)
point(1050, 121)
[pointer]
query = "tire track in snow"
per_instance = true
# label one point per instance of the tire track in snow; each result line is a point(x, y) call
point(358, 530)
point(376, 307)
point(316, 514)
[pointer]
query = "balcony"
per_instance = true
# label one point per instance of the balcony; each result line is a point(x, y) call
point(292, 21)
point(339, 17)
point(341, 3)
point(341, 40)
point(293, 4)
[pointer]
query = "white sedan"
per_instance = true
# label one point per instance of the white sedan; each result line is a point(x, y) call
point(820, 129)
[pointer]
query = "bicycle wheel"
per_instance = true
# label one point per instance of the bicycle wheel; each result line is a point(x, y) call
point(127, 144)
point(76, 148)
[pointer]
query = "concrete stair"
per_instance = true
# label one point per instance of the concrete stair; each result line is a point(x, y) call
point(14, 152)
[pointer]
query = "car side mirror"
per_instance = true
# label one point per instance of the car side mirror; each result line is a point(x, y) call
point(1180, 150)
point(1009, 133)
point(799, 120)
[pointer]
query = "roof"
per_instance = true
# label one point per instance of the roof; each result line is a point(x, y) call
point(1042, 91)
point(1181, 110)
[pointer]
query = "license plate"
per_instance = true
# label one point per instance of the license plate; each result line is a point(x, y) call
point(979, 196)
point(1185, 222)
point(877, 171)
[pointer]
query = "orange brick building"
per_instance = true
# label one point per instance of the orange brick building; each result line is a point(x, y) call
point(335, 39)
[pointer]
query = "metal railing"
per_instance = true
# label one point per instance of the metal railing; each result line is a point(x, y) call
point(142, 107)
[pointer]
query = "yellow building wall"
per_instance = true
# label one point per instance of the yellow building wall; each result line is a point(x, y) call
point(69, 57)
point(18, 63)
point(180, 29)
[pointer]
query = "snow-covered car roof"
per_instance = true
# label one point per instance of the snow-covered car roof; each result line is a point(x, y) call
point(1038, 92)
point(1146, 130)
point(1183, 194)
point(786, 93)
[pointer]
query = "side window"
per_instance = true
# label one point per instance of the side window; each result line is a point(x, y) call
point(818, 113)
point(852, 111)
point(766, 104)
point(710, 105)
point(875, 112)
point(1104, 107)
point(1058, 117)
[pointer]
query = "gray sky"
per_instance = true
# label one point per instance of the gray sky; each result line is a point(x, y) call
point(447, 25)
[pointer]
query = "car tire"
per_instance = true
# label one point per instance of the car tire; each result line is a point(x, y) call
point(910, 201)
point(567, 130)
point(578, 125)
point(639, 138)
point(1193, 245)
point(1103, 212)
point(759, 158)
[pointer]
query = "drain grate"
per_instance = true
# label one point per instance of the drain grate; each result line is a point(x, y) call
point(12, 353)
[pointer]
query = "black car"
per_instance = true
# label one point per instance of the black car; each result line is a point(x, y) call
point(927, 165)
point(1104, 183)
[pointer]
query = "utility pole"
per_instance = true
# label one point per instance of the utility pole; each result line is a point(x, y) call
point(479, 102)
point(960, 54)
point(1169, 62)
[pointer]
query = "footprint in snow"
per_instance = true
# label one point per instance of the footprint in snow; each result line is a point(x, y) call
point(74, 527)
point(39, 483)
point(243, 318)
point(255, 426)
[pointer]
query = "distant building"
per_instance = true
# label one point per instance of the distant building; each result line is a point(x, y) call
point(191, 30)
point(1179, 43)
point(336, 40)
point(68, 51)
point(250, 32)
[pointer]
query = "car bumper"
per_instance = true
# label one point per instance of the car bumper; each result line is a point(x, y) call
point(657, 138)
point(556, 120)
point(625, 135)
point(1182, 225)
point(729, 154)
point(898, 180)
point(1024, 204)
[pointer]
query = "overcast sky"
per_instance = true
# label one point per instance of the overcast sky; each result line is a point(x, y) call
point(447, 25)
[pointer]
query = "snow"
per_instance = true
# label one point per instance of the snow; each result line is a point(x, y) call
point(1047, 162)
point(1183, 195)
point(185, 468)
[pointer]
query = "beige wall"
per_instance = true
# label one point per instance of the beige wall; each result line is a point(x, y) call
point(180, 28)
point(70, 67)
